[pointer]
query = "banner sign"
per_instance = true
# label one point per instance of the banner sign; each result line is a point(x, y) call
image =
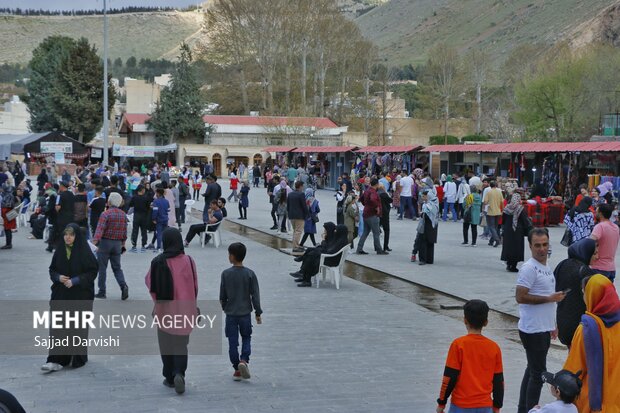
point(59, 157)
point(133, 151)
point(96, 153)
point(56, 147)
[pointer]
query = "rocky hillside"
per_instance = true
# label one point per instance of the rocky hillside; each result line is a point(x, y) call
point(143, 35)
point(405, 30)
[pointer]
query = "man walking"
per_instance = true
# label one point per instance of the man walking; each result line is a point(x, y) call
point(372, 215)
point(406, 196)
point(537, 300)
point(297, 213)
point(256, 175)
point(607, 235)
point(275, 181)
point(140, 203)
point(495, 202)
point(110, 239)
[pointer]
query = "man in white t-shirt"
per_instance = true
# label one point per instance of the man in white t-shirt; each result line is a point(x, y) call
point(406, 196)
point(537, 300)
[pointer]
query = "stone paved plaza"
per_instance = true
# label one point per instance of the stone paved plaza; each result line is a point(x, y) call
point(357, 349)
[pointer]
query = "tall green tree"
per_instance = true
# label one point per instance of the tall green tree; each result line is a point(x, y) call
point(178, 115)
point(44, 65)
point(77, 93)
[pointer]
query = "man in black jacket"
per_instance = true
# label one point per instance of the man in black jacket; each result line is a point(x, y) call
point(141, 205)
point(297, 213)
point(212, 192)
point(275, 181)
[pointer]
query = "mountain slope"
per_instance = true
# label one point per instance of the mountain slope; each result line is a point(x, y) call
point(143, 35)
point(405, 30)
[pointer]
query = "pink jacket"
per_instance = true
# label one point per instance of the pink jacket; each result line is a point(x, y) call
point(185, 283)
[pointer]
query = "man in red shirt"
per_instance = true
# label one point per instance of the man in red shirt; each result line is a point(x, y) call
point(372, 213)
point(110, 239)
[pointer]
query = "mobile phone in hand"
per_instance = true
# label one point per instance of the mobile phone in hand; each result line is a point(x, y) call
point(566, 291)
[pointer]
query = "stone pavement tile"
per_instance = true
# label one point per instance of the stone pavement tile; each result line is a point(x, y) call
point(352, 350)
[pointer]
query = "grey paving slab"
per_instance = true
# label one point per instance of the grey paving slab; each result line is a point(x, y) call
point(353, 350)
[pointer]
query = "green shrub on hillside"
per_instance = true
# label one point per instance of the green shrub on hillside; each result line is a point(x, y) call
point(476, 138)
point(441, 140)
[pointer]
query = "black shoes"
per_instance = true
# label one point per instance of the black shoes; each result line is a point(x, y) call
point(296, 274)
point(362, 253)
point(387, 249)
point(382, 253)
point(274, 227)
point(6, 247)
point(300, 249)
point(298, 259)
point(124, 292)
point(305, 284)
point(100, 295)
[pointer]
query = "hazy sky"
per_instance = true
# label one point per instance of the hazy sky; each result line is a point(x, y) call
point(92, 4)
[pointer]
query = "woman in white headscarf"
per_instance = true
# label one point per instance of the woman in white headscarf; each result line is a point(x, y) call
point(426, 237)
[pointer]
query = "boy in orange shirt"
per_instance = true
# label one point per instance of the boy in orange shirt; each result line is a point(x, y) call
point(473, 369)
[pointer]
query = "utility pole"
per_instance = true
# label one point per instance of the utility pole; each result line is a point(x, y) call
point(106, 117)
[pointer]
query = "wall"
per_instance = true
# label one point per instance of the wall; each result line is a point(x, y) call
point(267, 140)
point(14, 119)
point(141, 96)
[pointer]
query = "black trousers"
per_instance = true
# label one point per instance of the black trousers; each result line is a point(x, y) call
point(536, 347)
point(243, 212)
point(385, 224)
point(173, 350)
point(140, 223)
point(9, 236)
point(305, 237)
point(181, 218)
point(194, 230)
point(274, 208)
point(474, 232)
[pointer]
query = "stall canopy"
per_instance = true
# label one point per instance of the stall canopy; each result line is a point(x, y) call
point(324, 149)
point(529, 147)
point(15, 143)
point(279, 149)
point(391, 149)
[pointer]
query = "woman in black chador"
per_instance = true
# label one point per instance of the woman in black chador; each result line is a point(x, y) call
point(73, 271)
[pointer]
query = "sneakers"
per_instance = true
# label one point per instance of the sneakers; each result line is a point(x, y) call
point(473, 244)
point(382, 253)
point(464, 243)
point(244, 369)
point(168, 384)
point(50, 367)
point(150, 247)
point(133, 249)
point(179, 384)
point(143, 249)
point(237, 376)
point(185, 244)
point(124, 292)
point(274, 227)
point(100, 295)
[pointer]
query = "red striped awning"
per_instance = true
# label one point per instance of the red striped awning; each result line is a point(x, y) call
point(325, 149)
point(529, 147)
point(391, 149)
point(279, 149)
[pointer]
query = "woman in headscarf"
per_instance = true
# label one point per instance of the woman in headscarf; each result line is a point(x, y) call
point(310, 266)
point(471, 215)
point(312, 219)
point(596, 198)
point(605, 191)
point(396, 190)
point(594, 350)
point(384, 221)
point(328, 235)
point(73, 271)
point(569, 274)
point(42, 179)
point(173, 285)
point(580, 220)
point(7, 203)
point(427, 229)
point(351, 216)
point(515, 225)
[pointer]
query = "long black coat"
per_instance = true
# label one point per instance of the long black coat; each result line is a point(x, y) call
point(514, 240)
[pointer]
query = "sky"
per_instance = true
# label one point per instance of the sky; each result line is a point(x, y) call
point(92, 4)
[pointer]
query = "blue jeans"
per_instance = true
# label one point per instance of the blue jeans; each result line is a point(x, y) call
point(456, 409)
point(609, 274)
point(370, 224)
point(109, 250)
point(159, 231)
point(406, 202)
point(493, 223)
point(235, 326)
point(450, 205)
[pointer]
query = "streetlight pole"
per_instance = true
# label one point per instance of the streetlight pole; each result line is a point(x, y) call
point(106, 117)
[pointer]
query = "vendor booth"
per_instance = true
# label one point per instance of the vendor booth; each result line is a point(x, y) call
point(387, 158)
point(330, 162)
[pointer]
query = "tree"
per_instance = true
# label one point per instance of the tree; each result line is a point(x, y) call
point(178, 115)
point(77, 93)
point(478, 67)
point(443, 68)
point(45, 63)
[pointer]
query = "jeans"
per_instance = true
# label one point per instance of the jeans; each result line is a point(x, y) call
point(173, 350)
point(406, 202)
point(235, 326)
point(536, 347)
point(449, 205)
point(109, 250)
point(456, 409)
point(140, 223)
point(370, 224)
point(609, 274)
point(233, 194)
point(159, 232)
point(181, 212)
point(256, 181)
point(492, 222)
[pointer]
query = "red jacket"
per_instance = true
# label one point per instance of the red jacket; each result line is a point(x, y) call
point(372, 203)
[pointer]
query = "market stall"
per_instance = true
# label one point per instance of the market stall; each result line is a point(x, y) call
point(330, 161)
point(387, 158)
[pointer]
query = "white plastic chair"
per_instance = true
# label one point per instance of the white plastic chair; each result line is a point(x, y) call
point(189, 203)
point(22, 218)
point(335, 273)
point(215, 236)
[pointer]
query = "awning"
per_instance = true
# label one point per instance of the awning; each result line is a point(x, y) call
point(529, 147)
point(325, 149)
point(279, 149)
point(391, 149)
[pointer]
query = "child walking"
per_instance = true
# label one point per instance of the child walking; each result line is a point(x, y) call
point(161, 206)
point(473, 369)
point(239, 293)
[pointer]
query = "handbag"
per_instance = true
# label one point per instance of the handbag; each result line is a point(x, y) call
point(567, 238)
point(421, 222)
point(467, 215)
point(315, 218)
point(14, 213)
